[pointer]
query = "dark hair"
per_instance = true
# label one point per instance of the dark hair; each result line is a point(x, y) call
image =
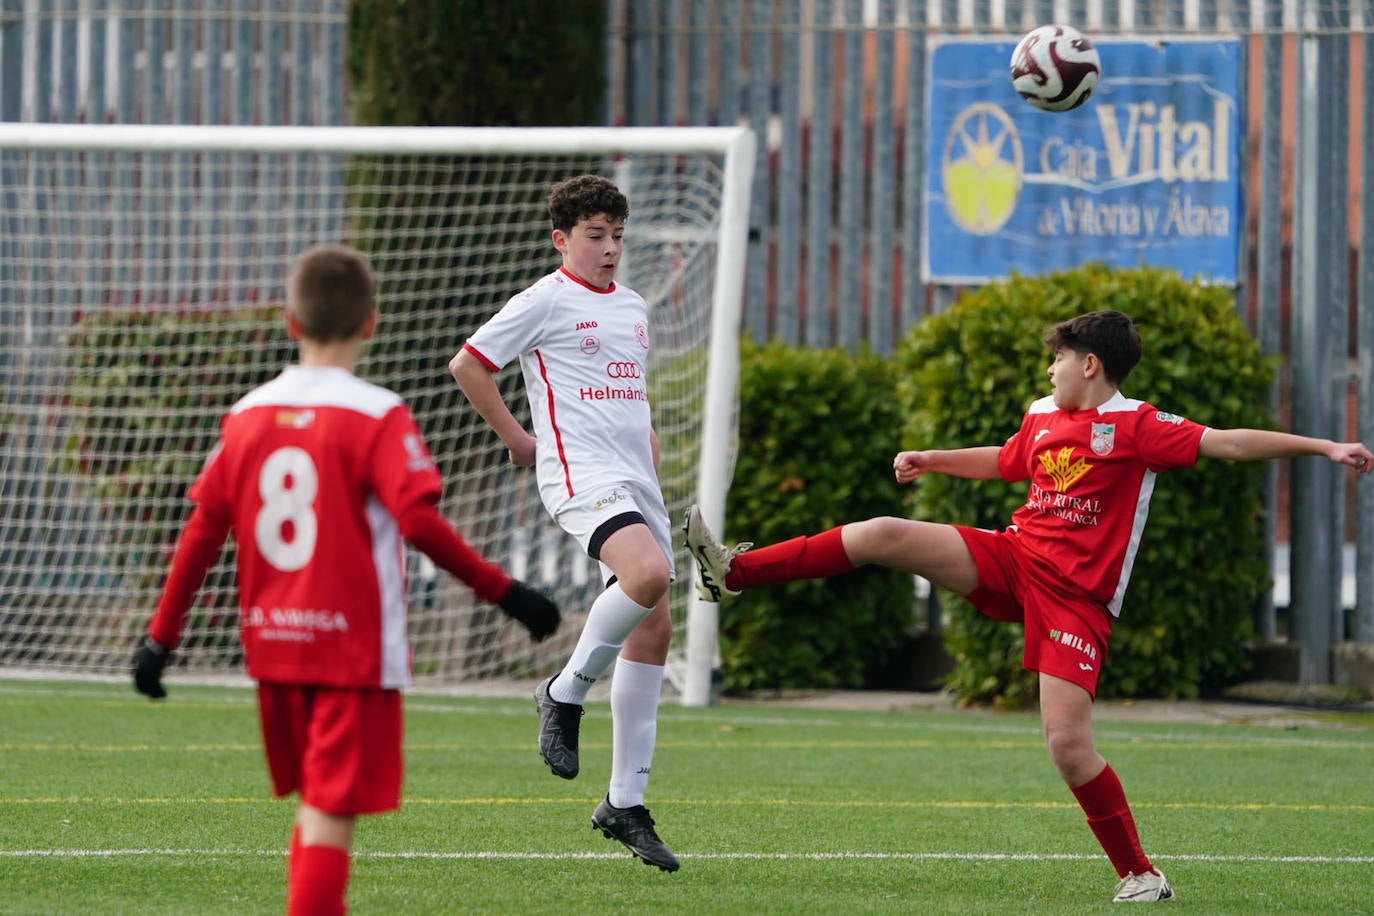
point(331, 292)
point(1107, 334)
point(584, 196)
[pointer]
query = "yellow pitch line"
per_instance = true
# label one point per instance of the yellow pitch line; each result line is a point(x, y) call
point(449, 747)
point(718, 802)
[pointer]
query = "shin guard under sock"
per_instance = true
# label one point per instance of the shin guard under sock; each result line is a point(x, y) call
point(1109, 816)
point(816, 557)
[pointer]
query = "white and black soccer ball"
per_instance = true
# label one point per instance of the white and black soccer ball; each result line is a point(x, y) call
point(1055, 67)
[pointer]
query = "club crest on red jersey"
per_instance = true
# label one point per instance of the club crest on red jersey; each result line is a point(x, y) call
point(417, 455)
point(1103, 438)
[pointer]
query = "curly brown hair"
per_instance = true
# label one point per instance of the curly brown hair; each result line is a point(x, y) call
point(585, 196)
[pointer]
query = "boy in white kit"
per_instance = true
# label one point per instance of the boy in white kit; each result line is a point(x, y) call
point(583, 345)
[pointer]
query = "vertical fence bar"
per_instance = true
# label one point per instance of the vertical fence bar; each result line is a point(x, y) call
point(332, 111)
point(213, 111)
point(125, 89)
point(155, 64)
point(669, 18)
point(640, 37)
point(1364, 525)
point(786, 324)
point(40, 69)
point(66, 201)
point(820, 146)
point(1314, 592)
point(11, 59)
point(760, 91)
point(11, 79)
point(330, 68)
point(152, 263)
point(615, 71)
point(698, 63)
point(849, 289)
point(241, 199)
point(944, 12)
point(883, 189)
point(727, 64)
point(1336, 222)
point(65, 55)
point(183, 81)
point(1269, 257)
point(913, 174)
point(272, 174)
point(95, 102)
point(125, 32)
point(95, 260)
point(302, 230)
point(184, 95)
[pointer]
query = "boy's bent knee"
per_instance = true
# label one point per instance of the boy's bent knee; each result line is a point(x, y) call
point(645, 587)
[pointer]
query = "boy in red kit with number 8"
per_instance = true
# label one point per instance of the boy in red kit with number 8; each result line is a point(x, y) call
point(322, 477)
point(1091, 456)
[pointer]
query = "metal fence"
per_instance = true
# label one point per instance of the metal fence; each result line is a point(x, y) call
point(173, 61)
point(836, 88)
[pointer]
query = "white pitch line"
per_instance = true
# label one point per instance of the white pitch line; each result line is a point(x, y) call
point(763, 856)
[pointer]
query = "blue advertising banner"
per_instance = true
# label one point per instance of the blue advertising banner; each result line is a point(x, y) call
point(1146, 172)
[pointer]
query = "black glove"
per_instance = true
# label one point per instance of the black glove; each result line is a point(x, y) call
point(149, 659)
point(534, 609)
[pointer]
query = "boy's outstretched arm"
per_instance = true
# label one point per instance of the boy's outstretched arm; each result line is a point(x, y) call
point(1259, 444)
point(423, 526)
point(197, 548)
point(478, 382)
point(978, 463)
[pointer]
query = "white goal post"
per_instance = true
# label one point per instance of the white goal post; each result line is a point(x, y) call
point(142, 272)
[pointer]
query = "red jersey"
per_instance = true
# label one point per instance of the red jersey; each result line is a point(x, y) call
point(1091, 474)
point(312, 471)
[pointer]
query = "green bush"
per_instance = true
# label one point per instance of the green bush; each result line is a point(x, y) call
point(818, 429)
point(967, 376)
point(520, 63)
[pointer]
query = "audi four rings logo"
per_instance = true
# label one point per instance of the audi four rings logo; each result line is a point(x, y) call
point(624, 370)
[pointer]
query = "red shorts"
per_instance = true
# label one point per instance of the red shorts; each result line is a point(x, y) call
point(1066, 632)
point(339, 747)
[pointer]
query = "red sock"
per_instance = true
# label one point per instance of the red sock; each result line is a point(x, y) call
point(1109, 816)
point(816, 557)
point(319, 879)
point(293, 852)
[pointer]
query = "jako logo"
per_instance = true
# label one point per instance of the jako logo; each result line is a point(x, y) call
point(624, 370)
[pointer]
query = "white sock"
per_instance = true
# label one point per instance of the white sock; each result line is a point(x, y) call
point(634, 726)
point(611, 619)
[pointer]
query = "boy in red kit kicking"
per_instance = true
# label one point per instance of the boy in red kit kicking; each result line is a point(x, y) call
point(1091, 456)
point(321, 477)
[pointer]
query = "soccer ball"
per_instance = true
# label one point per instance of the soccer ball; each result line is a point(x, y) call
point(1055, 68)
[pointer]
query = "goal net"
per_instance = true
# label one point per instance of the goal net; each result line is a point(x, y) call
point(142, 278)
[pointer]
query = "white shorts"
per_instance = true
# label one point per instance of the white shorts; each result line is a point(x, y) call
point(596, 514)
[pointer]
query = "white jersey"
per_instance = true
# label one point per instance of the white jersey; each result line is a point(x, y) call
point(583, 352)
